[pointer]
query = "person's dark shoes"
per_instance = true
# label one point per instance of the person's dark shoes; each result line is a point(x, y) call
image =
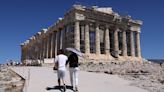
point(71, 87)
point(64, 87)
point(76, 89)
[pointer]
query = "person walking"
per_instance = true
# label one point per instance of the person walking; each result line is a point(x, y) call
point(73, 69)
point(60, 63)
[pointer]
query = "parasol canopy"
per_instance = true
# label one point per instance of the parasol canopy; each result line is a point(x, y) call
point(79, 53)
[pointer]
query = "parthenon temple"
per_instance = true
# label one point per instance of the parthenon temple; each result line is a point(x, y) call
point(98, 32)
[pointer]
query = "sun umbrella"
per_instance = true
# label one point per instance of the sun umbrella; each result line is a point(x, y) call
point(79, 53)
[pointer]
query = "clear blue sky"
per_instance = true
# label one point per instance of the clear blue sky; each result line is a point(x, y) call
point(20, 19)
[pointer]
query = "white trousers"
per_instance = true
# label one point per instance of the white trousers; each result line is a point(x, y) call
point(74, 76)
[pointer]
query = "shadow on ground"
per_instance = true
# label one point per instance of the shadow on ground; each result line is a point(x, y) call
point(61, 88)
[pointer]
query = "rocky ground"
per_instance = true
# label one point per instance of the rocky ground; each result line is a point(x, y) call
point(146, 75)
point(10, 81)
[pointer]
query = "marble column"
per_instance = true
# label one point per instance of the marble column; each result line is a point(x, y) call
point(124, 43)
point(28, 52)
point(56, 43)
point(31, 53)
point(97, 39)
point(132, 44)
point(60, 39)
point(63, 37)
point(34, 52)
point(59, 44)
point(107, 40)
point(77, 35)
point(51, 49)
point(42, 49)
point(47, 47)
point(43, 44)
point(116, 46)
point(87, 44)
point(26, 55)
point(37, 49)
point(138, 44)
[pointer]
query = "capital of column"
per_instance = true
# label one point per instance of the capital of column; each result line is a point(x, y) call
point(108, 26)
point(117, 30)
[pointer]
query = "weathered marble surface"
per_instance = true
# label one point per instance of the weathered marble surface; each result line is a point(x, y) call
point(147, 75)
point(10, 81)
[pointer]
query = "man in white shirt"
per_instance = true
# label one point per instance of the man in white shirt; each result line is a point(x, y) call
point(60, 60)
